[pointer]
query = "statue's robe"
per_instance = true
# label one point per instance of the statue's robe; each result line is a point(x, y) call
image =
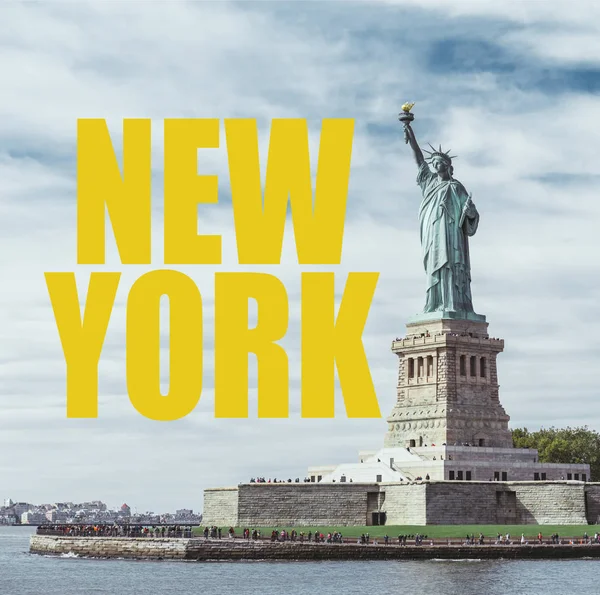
point(444, 242)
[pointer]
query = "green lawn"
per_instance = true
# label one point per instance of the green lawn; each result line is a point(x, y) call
point(435, 531)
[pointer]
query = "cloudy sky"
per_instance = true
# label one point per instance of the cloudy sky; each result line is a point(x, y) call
point(511, 88)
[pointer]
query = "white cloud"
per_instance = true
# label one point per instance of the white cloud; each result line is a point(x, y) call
point(560, 47)
point(531, 12)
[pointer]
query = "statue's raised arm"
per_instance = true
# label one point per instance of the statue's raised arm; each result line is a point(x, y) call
point(409, 137)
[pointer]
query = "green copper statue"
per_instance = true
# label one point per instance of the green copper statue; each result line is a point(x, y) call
point(447, 218)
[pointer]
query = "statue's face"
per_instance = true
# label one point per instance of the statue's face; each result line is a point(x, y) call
point(441, 167)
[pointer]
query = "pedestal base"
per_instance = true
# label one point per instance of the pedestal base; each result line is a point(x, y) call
point(448, 384)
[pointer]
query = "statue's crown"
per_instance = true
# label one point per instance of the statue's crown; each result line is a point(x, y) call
point(445, 155)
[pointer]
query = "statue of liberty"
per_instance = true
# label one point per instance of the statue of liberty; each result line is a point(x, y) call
point(447, 217)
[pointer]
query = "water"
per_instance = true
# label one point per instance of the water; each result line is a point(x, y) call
point(22, 573)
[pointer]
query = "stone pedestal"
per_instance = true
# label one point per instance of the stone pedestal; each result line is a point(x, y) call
point(447, 386)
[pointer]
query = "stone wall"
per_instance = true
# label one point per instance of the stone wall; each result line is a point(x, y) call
point(428, 503)
point(303, 504)
point(111, 547)
point(238, 549)
point(592, 493)
point(234, 550)
point(221, 507)
point(527, 503)
point(460, 503)
point(550, 503)
point(404, 504)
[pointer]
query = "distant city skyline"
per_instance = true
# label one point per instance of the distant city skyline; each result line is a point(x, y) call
point(93, 511)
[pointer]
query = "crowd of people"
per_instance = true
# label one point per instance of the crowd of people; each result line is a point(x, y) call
point(316, 537)
point(275, 480)
point(116, 530)
point(283, 535)
point(438, 334)
point(279, 536)
point(214, 532)
point(417, 539)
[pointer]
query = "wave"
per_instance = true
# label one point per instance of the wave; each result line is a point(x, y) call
point(457, 560)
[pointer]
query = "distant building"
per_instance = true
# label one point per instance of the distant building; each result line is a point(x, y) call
point(8, 519)
point(57, 516)
point(20, 507)
point(94, 505)
point(32, 518)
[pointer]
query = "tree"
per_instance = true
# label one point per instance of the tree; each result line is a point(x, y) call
point(565, 445)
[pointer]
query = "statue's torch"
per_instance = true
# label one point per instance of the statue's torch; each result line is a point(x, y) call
point(406, 117)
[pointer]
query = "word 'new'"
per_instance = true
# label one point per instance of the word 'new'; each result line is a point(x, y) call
point(259, 224)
